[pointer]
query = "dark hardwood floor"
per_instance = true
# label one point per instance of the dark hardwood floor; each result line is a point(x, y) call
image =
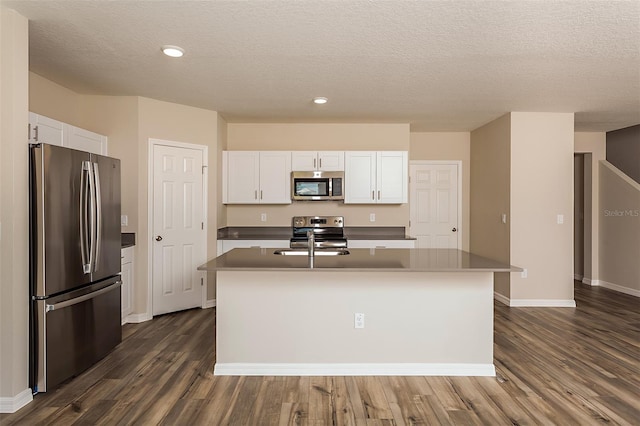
point(560, 366)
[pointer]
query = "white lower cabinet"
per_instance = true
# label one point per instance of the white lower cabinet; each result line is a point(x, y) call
point(126, 259)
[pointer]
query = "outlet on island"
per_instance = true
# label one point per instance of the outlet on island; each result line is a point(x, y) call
point(263, 217)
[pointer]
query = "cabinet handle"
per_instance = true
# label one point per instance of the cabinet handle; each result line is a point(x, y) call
point(378, 194)
point(35, 129)
point(261, 194)
point(255, 194)
point(320, 160)
point(373, 195)
point(314, 163)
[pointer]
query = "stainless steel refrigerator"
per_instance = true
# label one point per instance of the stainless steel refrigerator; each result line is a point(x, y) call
point(75, 242)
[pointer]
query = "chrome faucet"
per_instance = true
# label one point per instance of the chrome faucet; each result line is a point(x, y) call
point(311, 242)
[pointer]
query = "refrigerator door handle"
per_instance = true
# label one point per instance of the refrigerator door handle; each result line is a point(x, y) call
point(82, 298)
point(92, 218)
point(98, 222)
point(85, 244)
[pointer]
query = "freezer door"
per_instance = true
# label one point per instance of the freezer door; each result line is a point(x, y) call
point(106, 172)
point(73, 331)
point(59, 219)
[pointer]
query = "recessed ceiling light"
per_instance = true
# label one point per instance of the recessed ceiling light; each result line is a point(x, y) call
point(320, 100)
point(173, 51)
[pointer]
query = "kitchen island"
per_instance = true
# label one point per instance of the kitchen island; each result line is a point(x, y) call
point(426, 312)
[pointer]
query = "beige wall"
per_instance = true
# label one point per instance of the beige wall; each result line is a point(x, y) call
point(322, 137)
point(54, 101)
point(619, 230)
point(318, 136)
point(14, 214)
point(542, 188)
point(178, 123)
point(222, 145)
point(447, 146)
point(490, 194)
point(594, 146)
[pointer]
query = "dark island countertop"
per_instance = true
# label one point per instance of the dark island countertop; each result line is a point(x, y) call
point(285, 232)
point(398, 260)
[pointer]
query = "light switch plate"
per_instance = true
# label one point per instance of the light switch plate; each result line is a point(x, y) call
point(560, 219)
point(124, 220)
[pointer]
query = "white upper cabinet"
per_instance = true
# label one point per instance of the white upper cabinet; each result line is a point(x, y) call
point(256, 177)
point(328, 161)
point(47, 130)
point(376, 177)
point(85, 140)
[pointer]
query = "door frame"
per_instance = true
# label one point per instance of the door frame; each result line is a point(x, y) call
point(205, 170)
point(458, 164)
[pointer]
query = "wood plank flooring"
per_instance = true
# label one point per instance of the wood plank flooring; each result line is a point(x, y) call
point(559, 366)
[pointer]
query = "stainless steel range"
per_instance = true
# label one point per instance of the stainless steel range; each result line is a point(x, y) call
point(328, 232)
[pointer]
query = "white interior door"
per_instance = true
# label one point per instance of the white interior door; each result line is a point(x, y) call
point(179, 240)
point(434, 205)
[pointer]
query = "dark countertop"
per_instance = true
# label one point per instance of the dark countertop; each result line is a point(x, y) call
point(284, 233)
point(397, 260)
point(128, 239)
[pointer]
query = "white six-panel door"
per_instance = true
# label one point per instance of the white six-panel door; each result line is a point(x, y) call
point(179, 239)
point(434, 205)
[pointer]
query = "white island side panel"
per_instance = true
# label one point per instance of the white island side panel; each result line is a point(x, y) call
point(302, 323)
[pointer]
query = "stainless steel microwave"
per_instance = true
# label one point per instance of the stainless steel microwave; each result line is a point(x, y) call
point(317, 186)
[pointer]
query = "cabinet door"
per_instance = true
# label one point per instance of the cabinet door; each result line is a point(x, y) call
point(275, 177)
point(85, 140)
point(304, 161)
point(360, 177)
point(392, 177)
point(127, 281)
point(241, 177)
point(45, 130)
point(331, 161)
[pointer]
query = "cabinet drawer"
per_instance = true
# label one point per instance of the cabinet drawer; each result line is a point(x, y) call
point(126, 255)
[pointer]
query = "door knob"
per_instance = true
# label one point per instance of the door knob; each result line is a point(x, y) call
point(454, 230)
point(158, 238)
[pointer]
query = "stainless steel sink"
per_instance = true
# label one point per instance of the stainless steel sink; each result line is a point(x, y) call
point(317, 252)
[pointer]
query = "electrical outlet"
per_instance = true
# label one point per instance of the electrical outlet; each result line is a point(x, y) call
point(372, 217)
point(124, 220)
point(358, 320)
point(560, 219)
point(263, 217)
point(523, 274)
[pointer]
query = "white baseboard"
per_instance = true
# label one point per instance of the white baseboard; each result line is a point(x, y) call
point(616, 287)
point(138, 318)
point(534, 303)
point(11, 405)
point(501, 298)
point(587, 281)
point(385, 369)
point(577, 277)
point(211, 303)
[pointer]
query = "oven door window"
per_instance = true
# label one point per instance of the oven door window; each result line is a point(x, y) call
point(312, 187)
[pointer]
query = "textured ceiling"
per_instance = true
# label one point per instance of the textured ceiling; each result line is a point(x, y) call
point(439, 65)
